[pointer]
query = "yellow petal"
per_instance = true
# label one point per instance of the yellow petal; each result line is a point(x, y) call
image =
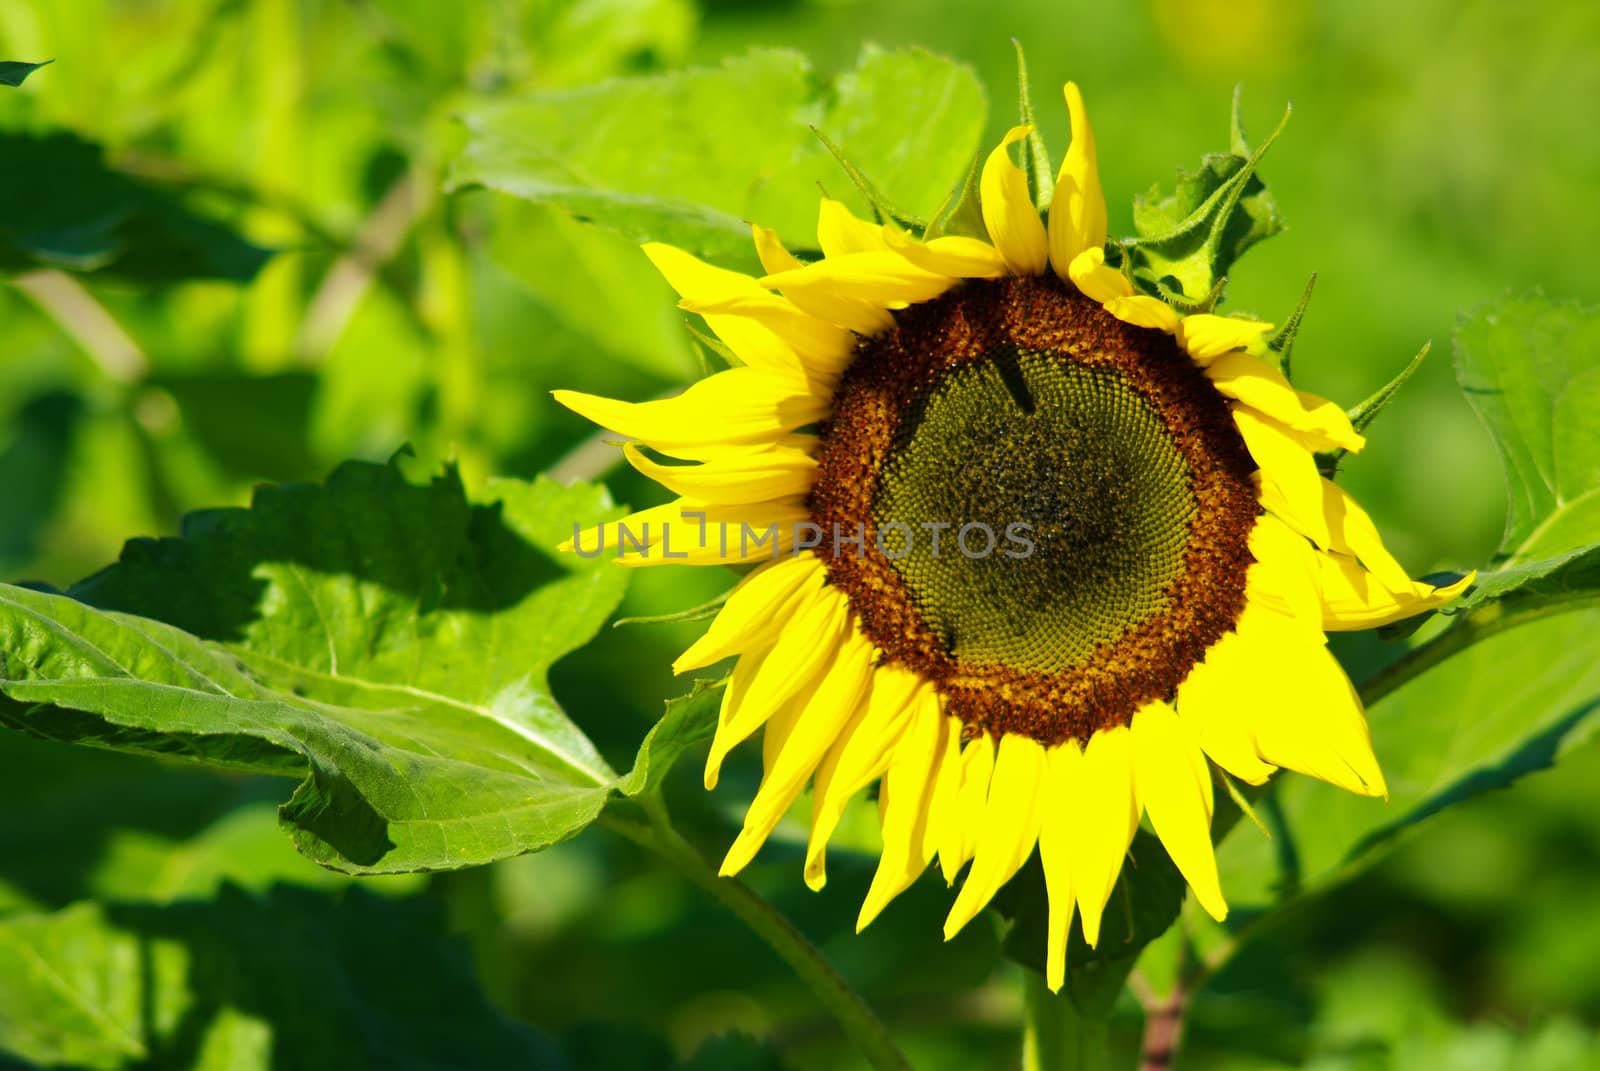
point(1099, 796)
point(884, 278)
point(831, 705)
point(1336, 521)
point(1263, 388)
point(959, 837)
point(1173, 785)
point(756, 476)
point(757, 609)
point(839, 232)
point(741, 405)
point(820, 347)
point(1142, 310)
point(705, 284)
point(1206, 701)
point(1207, 336)
point(954, 255)
point(771, 252)
point(1009, 212)
point(1057, 828)
point(858, 758)
point(1078, 209)
point(1353, 533)
point(1353, 598)
point(1288, 473)
point(1095, 280)
point(1286, 690)
point(906, 799)
point(1285, 571)
point(1009, 827)
point(763, 683)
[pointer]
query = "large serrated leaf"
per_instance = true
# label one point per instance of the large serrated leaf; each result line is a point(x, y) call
point(690, 157)
point(386, 642)
point(251, 982)
point(1531, 368)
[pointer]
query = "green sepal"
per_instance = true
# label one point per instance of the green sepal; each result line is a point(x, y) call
point(881, 205)
point(694, 613)
point(1188, 240)
point(1035, 157)
point(962, 211)
point(1367, 411)
point(13, 72)
point(1281, 345)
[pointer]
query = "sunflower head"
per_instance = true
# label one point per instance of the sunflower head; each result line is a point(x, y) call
point(1033, 539)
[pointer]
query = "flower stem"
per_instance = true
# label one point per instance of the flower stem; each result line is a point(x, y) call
point(854, 1017)
point(1471, 628)
point(1056, 1036)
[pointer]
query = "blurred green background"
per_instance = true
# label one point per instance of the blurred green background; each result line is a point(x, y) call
point(312, 294)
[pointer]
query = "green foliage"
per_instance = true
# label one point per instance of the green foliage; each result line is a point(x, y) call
point(386, 641)
point(267, 177)
point(689, 157)
point(61, 206)
point(14, 73)
point(1531, 368)
point(238, 981)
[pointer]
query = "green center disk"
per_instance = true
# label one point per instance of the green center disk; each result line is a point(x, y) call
point(1066, 457)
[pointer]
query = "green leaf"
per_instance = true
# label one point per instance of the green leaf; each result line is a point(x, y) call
point(386, 642)
point(61, 206)
point(176, 832)
point(245, 982)
point(690, 157)
point(14, 73)
point(1189, 239)
point(1531, 368)
point(690, 720)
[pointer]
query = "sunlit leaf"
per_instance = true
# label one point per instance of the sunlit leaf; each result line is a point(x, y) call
point(691, 157)
point(386, 642)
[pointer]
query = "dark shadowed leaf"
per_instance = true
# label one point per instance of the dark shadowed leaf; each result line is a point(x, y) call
point(14, 73)
point(690, 720)
point(62, 206)
point(291, 978)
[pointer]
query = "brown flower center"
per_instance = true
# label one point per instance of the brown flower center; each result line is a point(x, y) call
point(1041, 509)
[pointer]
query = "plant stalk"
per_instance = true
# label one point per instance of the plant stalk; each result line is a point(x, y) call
point(1057, 1036)
point(848, 1009)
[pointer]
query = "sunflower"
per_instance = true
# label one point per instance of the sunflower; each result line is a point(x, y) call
point(1032, 549)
